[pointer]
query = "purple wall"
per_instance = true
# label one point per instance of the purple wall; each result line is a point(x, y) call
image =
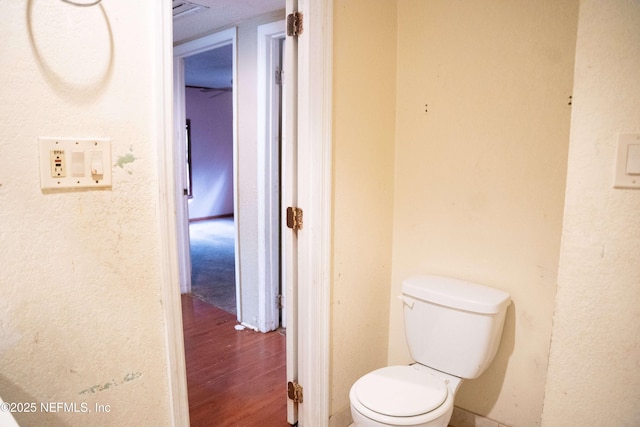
point(211, 115)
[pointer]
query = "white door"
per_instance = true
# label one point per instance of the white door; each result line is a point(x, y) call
point(290, 199)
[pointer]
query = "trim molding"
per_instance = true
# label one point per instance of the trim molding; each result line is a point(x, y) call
point(168, 251)
point(269, 188)
point(464, 418)
point(207, 218)
point(314, 190)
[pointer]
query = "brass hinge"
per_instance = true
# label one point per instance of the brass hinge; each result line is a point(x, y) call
point(294, 24)
point(280, 301)
point(294, 391)
point(294, 218)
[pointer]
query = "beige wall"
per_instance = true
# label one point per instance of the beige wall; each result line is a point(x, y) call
point(593, 369)
point(80, 305)
point(363, 133)
point(480, 175)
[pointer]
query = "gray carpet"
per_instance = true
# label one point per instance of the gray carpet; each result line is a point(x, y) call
point(213, 262)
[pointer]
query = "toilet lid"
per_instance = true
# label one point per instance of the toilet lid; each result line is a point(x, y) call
point(401, 391)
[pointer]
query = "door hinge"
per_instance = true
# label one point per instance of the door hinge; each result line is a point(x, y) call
point(294, 24)
point(280, 301)
point(294, 391)
point(279, 76)
point(294, 218)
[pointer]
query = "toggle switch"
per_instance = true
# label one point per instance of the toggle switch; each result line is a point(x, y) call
point(97, 169)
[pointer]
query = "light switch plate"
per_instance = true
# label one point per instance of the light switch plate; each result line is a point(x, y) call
point(626, 161)
point(68, 163)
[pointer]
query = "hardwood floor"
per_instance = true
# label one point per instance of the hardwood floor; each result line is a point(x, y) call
point(234, 378)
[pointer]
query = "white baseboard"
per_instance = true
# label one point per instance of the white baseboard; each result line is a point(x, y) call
point(341, 418)
point(460, 418)
point(464, 418)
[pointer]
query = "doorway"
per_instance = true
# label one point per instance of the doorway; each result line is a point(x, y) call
point(268, 188)
point(258, 222)
point(313, 131)
point(210, 176)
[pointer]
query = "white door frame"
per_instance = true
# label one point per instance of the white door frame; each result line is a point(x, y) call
point(314, 151)
point(167, 223)
point(314, 197)
point(268, 176)
point(180, 52)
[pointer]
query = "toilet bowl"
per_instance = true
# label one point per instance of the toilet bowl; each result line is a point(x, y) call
point(453, 331)
point(413, 395)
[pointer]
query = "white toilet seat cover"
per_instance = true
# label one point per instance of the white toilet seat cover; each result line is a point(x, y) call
point(401, 391)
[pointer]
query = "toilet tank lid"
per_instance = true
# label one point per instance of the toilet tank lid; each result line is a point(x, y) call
point(456, 293)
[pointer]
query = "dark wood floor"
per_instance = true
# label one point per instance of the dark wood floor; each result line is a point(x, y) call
point(234, 378)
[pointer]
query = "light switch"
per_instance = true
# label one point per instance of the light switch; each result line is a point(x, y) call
point(633, 159)
point(628, 161)
point(97, 169)
point(77, 163)
point(67, 163)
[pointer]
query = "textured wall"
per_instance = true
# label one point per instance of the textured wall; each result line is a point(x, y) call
point(211, 116)
point(593, 369)
point(481, 150)
point(80, 310)
point(363, 133)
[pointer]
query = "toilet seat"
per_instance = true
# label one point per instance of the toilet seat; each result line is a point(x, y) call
point(400, 391)
point(401, 395)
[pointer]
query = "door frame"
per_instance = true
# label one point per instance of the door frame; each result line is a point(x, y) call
point(268, 178)
point(315, 87)
point(180, 52)
point(315, 140)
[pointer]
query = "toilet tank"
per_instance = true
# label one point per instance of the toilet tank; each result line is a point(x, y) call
point(452, 325)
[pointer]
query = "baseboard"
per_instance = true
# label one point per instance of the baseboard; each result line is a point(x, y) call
point(341, 418)
point(460, 418)
point(207, 218)
point(464, 418)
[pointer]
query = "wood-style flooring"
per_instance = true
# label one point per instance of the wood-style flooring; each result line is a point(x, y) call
point(234, 378)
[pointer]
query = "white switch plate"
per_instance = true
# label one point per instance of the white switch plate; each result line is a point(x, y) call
point(626, 164)
point(81, 158)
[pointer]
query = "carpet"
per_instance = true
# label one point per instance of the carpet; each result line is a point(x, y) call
point(213, 278)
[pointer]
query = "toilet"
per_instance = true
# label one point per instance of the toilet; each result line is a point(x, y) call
point(453, 330)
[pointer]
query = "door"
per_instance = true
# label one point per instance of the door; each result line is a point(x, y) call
point(290, 198)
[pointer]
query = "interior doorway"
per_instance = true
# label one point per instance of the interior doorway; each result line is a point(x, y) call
point(210, 176)
point(313, 139)
point(259, 298)
point(269, 182)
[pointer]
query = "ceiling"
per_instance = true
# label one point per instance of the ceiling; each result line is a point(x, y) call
point(217, 14)
point(196, 18)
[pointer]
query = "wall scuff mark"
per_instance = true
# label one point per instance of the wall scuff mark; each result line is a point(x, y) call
point(127, 158)
point(113, 383)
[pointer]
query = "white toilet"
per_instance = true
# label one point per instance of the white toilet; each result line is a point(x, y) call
point(453, 329)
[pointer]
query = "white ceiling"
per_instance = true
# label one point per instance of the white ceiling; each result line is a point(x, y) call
point(212, 69)
point(219, 14)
